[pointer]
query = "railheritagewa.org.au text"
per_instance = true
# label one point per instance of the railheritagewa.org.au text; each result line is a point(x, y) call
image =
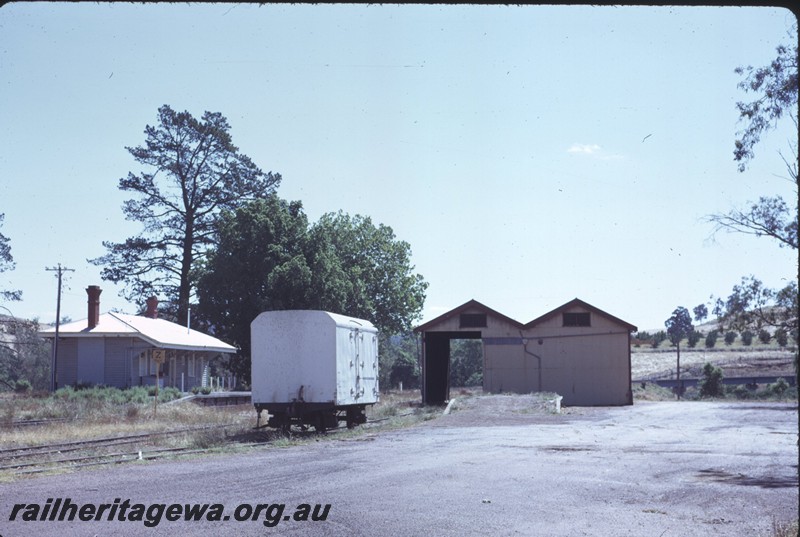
point(153, 514)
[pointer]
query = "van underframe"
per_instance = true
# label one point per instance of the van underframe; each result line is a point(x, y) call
point(321, 416)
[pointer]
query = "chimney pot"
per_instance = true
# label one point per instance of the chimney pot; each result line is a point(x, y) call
point(152, 308)
point(93, 292)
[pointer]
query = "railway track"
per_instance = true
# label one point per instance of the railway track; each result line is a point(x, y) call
point(97, 451)
point(34, 422)
point(23, 460)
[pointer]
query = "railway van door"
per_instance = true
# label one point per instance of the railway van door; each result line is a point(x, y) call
point(364, 355)
point(369, 368)
point(358, 343)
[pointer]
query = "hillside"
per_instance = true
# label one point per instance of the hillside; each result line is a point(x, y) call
point(735, 360)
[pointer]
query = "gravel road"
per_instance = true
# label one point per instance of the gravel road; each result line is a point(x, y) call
point(495, 466)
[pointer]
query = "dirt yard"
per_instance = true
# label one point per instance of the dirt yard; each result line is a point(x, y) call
point(496, 465)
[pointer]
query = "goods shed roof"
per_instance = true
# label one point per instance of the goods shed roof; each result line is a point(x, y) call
point(472, 305)
point(577, 302)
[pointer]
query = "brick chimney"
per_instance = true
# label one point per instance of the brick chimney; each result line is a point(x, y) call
point(93, 291)
point(152, 308)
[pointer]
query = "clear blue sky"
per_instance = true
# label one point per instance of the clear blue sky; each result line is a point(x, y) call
point(529, 154)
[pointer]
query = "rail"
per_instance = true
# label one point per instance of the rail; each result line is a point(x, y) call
point(739, 381)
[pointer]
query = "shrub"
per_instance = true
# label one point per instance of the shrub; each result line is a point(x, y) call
point(641, 337)
point(711, 383)
point(693, 338)
point(741, 392)
point(711, 339)
point(781, 337)
point(476, 379)
point(747, 338)
point(132, 412)
point(778, 388)
point(405, 370)
point(730, 337)
point(22, 386)
point(169, 394)
point(116, 396)
point(658, 338)
point(764, 336)
point(207, 439)
point(138, 395)
point(64, 393)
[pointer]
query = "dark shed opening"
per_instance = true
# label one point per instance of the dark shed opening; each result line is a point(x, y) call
point(436, 368)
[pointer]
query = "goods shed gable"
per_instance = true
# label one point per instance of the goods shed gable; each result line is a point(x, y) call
point(469, 316)
point(576, 313)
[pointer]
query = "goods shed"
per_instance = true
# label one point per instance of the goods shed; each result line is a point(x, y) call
point(576, 350)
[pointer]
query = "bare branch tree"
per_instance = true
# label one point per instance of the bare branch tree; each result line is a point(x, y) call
point(195, 172)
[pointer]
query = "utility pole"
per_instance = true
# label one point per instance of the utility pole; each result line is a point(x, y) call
point(60, 270)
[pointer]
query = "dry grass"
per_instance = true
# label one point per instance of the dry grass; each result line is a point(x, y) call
point(785, 529)
point(394, 402)
point(651, 392)
point(99, 420)
point(217, 429)
point(660, 363)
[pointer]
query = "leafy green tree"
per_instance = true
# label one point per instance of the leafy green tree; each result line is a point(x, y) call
point(700, 313)
point(776, 90)
point(268, 258)
point(399, 362)
point(24, 356)
point(379, 280)
point(752, 306)
point(776, 87)
point(466, 362)
point(192, 173)
point(679, 325)
point(769, 217)
point(711, 383)
point(259, 265)
point(7, 263)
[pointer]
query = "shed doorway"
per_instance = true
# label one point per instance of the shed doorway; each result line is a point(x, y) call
point(436, 369)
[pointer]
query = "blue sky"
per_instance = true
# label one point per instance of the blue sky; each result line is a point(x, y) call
point(529, 154)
